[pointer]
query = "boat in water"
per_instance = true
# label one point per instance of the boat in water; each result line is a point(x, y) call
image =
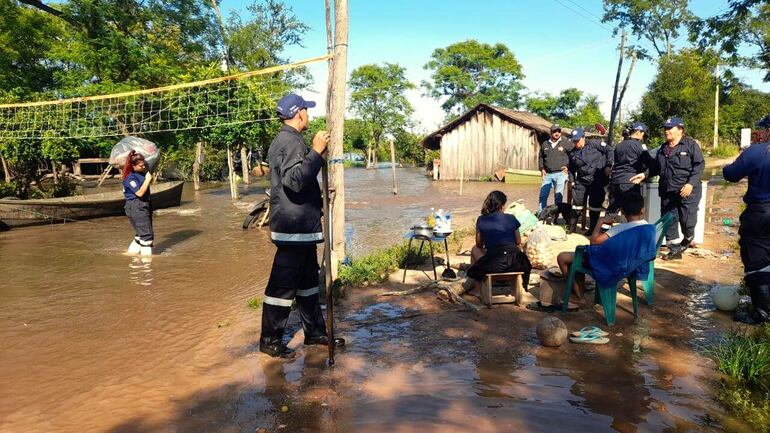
point(21, 213)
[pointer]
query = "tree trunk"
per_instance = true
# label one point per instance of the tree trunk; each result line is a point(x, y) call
point(231, 174)
point(613, 113)
point(336, 129)
point(6, 173)
point(393, 165)
point(197, 165)
point(55, 172)
point(625, 86)
point(244, 164)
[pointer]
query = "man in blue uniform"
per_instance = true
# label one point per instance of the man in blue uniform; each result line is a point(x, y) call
point(631, 158)
point(553, 161)
point(587, 163)
point(754, 163)
point(679, 163)
point(295, 229)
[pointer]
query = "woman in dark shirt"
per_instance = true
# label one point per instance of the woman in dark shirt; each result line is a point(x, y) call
point(498, 243)
point(136, 188)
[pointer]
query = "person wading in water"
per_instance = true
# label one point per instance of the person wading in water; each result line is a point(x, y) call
point(295, 229)
point(136, 188)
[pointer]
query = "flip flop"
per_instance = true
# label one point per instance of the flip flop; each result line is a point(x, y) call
point(590, 339)
point(538, 306)
point(590, 330)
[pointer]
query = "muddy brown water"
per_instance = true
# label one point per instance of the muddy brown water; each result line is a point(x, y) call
point(95, 341)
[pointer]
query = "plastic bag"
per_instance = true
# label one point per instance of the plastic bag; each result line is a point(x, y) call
point(538, 248)
point(527, 219)
point(147, 148)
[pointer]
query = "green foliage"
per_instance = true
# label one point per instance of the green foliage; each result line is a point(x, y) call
point(7, 190)
point(183, 158)
point(469, 73)
point(570, 108)
point(375, 267)
point(741, 107)
point(255, 303)
point(753, 409)
point(679, 89)
point(658, 21)
point(409, 147)
point(724, 150)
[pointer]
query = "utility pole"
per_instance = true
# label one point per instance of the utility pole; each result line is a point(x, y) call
point(393, 165)
point(613, 110)
point(716, 111)
point(336, 123)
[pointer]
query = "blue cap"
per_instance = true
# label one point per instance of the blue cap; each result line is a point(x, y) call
point(764, 123)
point(674, 121)
point(291, 104)
point(578, 133)
point(639, 126)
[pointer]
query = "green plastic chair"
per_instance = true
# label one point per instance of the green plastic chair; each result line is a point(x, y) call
point(607, 296)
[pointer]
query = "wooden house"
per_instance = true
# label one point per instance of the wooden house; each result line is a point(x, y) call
point(486, 139)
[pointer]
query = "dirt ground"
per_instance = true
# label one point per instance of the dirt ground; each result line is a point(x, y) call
point(415, 363)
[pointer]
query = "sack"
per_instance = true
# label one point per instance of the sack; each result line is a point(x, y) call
point(527, 219)
point(538, 248)
point(147, 148)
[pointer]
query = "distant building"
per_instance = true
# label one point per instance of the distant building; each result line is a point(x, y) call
point(487, 139)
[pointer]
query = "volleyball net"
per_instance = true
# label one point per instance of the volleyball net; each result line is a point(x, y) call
point(237, 99)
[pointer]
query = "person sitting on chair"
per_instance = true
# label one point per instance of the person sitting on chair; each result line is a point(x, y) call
point(633, 209)
point(498, 242)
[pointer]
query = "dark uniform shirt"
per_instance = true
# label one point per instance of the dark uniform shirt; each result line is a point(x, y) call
point(133, 183)
point(553, 158)
point(587, 164)
point(678, 165)
point(754, 162)
point(295, 197)
point(631, 158)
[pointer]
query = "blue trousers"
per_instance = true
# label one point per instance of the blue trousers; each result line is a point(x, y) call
point(552, 180)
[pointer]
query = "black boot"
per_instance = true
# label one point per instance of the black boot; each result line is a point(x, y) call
point(760, 299)
point(593, 220)
point(276, 350)
point(323, 340)
point(573, 219)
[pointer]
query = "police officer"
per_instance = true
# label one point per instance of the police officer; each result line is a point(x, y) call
point(631, 158)
point(754, 163)
point(553, 161)
point(587, 162)
point(679, 163)
point(295, 228)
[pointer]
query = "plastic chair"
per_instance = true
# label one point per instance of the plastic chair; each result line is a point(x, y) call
point(661, 226)
point(607, 296)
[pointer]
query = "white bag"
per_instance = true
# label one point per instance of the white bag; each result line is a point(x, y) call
point(538, 248)
point(147, 148)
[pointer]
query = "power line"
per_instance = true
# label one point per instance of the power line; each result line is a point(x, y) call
point(584, 16)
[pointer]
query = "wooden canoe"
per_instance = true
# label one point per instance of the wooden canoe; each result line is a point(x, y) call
point(522, 176)
point(21, 213)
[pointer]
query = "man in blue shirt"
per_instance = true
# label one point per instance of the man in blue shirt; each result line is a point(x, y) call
point(754, 163)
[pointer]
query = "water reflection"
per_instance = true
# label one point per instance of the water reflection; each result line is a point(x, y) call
point(140, 270)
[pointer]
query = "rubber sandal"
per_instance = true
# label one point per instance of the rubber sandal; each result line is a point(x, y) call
point(538, 306)
point(590, 339)
point(590, 330)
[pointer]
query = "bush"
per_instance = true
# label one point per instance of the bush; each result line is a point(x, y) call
point(214, 160)
point(374, 268)
point(724, 150)
point(7, 190)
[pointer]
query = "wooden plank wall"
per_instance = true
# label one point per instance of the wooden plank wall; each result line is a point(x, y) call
point(485, 143)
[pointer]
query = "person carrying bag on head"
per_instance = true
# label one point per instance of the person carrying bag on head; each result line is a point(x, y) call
point(136, 180)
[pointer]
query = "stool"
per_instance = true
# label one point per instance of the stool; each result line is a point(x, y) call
point(515, 281)
point(430, 241)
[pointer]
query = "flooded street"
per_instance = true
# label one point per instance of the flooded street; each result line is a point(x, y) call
point(95, 341)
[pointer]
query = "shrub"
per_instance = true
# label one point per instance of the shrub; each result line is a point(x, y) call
point(7, 190)
point(724, 150)
point(374, 268)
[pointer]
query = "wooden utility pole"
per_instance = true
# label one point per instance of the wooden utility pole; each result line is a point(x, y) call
point(197, 166)
point(231, 177)
point(613, 112)
point(244, 164)
point(393, 165)
point(716, 111)
point(336, 123)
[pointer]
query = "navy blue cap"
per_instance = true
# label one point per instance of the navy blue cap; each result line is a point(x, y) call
point(555, 127)
point(764, 123)
point(578, 133)
point(291, 104)
point(674, 121)
point(639, 126)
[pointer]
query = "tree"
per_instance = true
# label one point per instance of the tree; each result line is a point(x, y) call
point(742, 106)
point(745, 25)
point(571, 108)
point(469, 73)
point(377, 96)
point(680, 89)
point(657, 21)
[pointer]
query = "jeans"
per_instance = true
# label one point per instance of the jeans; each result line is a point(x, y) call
point(555, 180)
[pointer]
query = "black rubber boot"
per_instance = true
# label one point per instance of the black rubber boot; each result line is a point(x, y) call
point(760, 299)
point(277, 350)
point(573, 219)
point(593, 217)
point(323, 340)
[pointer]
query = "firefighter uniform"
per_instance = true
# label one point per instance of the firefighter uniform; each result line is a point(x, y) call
point(139, 212)
point(754, 163)
point(630, 158)
point(587, 166)
point(677, 166)
point(295, 229)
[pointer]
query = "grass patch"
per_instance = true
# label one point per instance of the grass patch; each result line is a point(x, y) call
point(375, 267)
point(255, 303)
point(724, 151)
point(744, 357)
point(353, 164)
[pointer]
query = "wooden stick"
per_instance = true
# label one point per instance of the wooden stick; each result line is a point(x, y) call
point(244, 164)
point(197, 166)
point(393, 165)
point(326, 224)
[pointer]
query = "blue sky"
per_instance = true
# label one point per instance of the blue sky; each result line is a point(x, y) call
point(560, 43)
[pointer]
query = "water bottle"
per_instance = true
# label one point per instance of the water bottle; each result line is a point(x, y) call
point(440, 220)
point(447, 222)
point(432, 218)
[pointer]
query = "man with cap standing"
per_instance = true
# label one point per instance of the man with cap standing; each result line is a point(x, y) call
point(754, 163)
point(679, 163)
point(553, 161)
point(631, 158)
point(295, 229)
point(587, 162)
